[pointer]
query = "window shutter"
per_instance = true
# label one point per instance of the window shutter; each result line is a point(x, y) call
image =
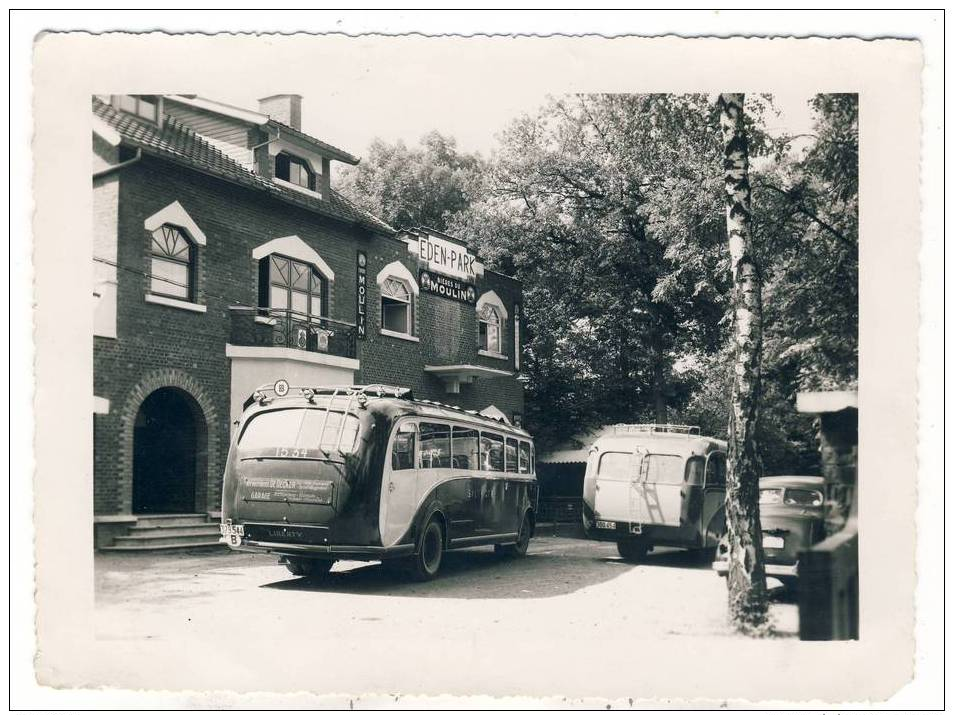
point(282, 167)
point(263, 282)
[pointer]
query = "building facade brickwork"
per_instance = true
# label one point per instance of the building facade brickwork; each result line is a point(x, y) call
point(157, 344)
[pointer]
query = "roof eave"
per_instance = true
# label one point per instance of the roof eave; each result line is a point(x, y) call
point(147, 149)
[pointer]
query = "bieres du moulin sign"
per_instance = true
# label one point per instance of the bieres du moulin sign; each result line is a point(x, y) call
point(448, 287)
point(451, 269)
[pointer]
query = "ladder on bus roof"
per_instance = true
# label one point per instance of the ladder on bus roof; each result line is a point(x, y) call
point(651, 427)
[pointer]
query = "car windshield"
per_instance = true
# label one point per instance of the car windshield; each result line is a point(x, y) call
point(295, 431)
point(803, 497)
point(770, 496)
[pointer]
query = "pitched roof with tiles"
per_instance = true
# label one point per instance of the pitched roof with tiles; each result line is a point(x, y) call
point(180, 144)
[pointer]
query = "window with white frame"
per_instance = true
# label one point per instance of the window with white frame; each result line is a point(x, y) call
point(489, 328)
point(396, 306)
point(295, 170)
point(143, 107)
point(295, 286)
point(173, 257)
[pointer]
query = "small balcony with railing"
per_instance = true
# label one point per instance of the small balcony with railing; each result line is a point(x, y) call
point(280, 328)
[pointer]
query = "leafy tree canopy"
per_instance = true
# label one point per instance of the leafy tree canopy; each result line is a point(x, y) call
point(609, 209)
point(418, 186)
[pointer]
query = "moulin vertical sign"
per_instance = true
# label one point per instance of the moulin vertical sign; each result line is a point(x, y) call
point(362, 295)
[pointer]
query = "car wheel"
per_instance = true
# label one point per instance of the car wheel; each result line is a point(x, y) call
point(427, 561)
point(309, 568)
point(632, 549)
point(523, 541)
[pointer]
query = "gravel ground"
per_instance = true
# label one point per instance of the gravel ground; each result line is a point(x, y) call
point(569, 619)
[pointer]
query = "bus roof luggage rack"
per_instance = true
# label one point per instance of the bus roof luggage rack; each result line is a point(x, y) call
point(375, 390)
point(265, 393)
point(652, 427)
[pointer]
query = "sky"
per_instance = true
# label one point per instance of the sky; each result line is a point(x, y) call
point(356, 89)
point(471, 119)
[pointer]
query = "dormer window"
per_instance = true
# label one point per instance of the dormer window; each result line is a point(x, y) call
point(295, 171)
point(143, 107)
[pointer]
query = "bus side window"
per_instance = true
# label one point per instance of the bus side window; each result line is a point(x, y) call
point(491, 452)
point(464, 448)
point(694, 469)
point(715, 470)
point(524, 457)
point(511, 453)
point(435, 446)
point(402, 452)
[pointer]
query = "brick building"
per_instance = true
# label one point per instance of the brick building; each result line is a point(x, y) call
point(225, 260)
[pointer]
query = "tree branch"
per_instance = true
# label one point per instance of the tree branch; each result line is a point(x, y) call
point(802, 209)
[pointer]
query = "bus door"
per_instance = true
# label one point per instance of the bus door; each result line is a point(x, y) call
point(399, 486)
point(659, 492)
point(713, 507)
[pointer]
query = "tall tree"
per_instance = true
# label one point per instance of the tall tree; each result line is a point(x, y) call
point(748, 604)
point(586, 203)
point(426, 185)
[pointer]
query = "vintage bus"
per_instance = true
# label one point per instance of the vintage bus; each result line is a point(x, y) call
point(652, 485)
point(319, 474)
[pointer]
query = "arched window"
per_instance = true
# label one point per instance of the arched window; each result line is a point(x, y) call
point(396, 302)
point(488, 328)
point(294, 170)
point(295, 286)
point(173, 263)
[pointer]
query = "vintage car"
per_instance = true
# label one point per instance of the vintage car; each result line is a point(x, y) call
point(792, 513)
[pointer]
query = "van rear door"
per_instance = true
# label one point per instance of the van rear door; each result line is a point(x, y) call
point(616, 476)
point(661, 489)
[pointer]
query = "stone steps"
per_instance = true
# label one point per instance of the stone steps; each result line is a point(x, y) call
point(175, 530)
point(155, 532)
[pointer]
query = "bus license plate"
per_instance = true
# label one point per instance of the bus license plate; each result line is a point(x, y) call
point(232, 533)
point(773, 542)
point(605, 524)
point(635, 528)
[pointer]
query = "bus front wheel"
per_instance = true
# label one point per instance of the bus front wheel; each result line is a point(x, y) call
point(632, 549)
point(427, 560)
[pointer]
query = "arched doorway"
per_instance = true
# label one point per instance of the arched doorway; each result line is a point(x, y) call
point(169, 450)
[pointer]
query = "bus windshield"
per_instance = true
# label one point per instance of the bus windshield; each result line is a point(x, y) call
point(292, 432)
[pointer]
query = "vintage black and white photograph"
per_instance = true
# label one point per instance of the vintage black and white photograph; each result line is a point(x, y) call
point(411, 376)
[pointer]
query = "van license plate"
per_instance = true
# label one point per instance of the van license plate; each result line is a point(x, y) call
point(605, 524)
point(773, 542)
point(635, 528)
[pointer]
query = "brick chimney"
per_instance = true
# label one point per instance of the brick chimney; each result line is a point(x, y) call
point(284, 108)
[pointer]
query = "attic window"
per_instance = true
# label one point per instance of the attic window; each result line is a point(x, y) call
point(143, 107)
point(295, 171)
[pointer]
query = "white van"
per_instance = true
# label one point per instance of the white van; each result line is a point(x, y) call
point(652, 485)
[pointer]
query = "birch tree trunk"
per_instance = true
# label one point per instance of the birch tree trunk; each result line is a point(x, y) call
point(748, 606)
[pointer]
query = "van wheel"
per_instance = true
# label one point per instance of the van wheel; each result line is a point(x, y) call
point(523, 541)
point(427, 561)
point(632, 549)
point(309, 568)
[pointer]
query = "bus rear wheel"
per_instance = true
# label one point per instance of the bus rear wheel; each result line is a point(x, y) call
point(309, 568)
point(427, 561)
point(632, 549)
point(522, 544)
